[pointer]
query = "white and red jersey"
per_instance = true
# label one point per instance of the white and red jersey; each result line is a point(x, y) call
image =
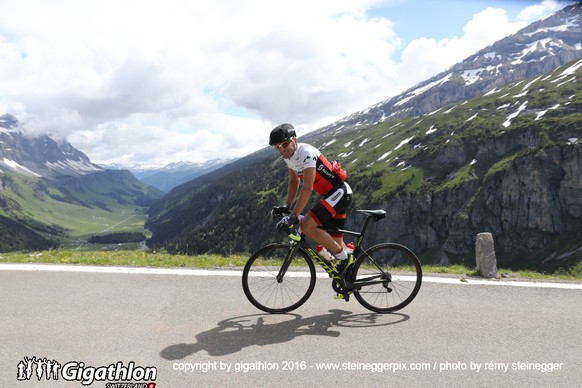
point(328, 175)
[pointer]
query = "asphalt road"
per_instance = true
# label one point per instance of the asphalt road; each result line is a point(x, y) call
point(455, 334)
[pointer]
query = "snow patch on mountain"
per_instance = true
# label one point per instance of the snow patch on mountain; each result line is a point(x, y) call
point(16, 167)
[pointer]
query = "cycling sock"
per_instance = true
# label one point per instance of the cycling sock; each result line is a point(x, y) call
point(343, 255)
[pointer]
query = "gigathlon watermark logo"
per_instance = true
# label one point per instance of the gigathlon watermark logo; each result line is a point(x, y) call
point(117, 374)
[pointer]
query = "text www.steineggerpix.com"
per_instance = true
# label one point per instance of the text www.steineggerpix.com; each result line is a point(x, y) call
point(371, 367)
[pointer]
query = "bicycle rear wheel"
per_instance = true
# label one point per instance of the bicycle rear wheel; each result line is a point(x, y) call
point(400, 270)
point(269, 293)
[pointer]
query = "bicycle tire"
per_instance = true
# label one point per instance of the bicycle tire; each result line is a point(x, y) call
point(268, 294)
point(405, 277)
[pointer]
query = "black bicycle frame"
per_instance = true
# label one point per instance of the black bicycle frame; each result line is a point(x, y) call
point(358, 251)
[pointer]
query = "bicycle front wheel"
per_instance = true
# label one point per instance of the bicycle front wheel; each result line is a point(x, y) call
point(270, 290)
point(396, 275)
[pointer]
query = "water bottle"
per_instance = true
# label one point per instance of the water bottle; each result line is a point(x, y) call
point(350, 247)
point(324, 253)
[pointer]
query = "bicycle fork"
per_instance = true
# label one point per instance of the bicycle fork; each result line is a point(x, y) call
point(286, 263)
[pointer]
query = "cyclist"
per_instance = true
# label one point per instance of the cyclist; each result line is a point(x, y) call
point(306, 163)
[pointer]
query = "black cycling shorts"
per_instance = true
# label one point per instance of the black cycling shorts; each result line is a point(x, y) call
point(330, 211)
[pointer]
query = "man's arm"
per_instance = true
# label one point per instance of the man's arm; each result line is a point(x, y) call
point(292, 187)
point(306, 190)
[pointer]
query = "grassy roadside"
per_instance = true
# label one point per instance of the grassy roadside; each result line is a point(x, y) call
point(124, 258)
point(164, 260)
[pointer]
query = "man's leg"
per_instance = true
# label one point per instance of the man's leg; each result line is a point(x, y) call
point(310, 227)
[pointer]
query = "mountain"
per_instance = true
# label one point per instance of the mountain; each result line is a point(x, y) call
point(503, 159)
point(16, 236)
point(174, 174)
point(39, 156)
point(536, 49)
point(51, 192)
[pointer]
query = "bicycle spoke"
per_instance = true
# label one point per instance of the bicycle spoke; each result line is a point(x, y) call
point(388, 261)
point(268, 293)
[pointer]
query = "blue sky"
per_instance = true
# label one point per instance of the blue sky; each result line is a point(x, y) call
point(441, 19)
point(161, 81)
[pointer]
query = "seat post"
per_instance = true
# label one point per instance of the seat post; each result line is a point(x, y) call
point(363, 232)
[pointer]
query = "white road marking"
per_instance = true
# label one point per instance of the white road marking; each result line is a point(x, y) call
point(224, 272)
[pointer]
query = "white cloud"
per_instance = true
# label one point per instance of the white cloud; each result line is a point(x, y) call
point(541, 10)
point(428, 57)
point(161, 81)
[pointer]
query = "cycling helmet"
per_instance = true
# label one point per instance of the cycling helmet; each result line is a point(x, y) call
point(281, 134)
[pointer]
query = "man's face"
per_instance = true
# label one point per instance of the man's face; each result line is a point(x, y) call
point(287, 149)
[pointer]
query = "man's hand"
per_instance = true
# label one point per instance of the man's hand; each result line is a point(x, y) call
point(288, 222)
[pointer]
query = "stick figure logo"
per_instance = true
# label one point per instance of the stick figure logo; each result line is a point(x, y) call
point(47, 368)
point(87, 375)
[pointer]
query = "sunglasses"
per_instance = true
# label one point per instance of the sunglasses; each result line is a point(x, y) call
point(283, 145)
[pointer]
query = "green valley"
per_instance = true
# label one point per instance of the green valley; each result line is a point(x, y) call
point(46, 213)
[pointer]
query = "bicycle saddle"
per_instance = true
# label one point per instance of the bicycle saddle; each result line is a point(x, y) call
point(377, 214)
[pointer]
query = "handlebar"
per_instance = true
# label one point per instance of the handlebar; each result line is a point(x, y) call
point(279, 216)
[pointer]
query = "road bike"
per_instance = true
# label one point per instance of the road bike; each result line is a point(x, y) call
point(280, 277)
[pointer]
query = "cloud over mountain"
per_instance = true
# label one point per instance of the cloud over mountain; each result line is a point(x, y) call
point(137, 81)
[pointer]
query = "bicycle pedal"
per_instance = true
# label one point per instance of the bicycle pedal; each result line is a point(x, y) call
point(342, 296)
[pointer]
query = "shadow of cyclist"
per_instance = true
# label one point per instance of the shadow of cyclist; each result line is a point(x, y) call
point(234, 334)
